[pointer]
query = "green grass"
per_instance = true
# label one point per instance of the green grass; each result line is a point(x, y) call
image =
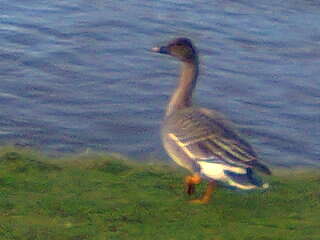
point(96, 196)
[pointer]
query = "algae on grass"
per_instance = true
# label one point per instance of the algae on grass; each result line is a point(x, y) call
point(98, 196)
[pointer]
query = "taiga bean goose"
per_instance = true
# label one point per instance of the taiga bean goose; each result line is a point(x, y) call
point(202, 140)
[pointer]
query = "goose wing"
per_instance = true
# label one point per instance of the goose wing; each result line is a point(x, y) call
point(204, 134)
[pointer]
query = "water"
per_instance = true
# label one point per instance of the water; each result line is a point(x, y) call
point(79, 75)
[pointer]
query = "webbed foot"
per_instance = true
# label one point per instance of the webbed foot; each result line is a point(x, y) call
point(207, 195)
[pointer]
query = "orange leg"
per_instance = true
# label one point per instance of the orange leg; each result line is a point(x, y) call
point(207, 195)
point(191, 181)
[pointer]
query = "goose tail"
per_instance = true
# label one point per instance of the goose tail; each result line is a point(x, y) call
point(262, 168)
point(246, 181)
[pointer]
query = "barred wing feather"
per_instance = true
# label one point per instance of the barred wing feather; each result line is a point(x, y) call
point(204, 134)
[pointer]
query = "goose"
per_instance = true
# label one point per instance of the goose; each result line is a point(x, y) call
point(202, 140)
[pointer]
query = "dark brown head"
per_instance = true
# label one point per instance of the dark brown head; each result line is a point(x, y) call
point(181, 48)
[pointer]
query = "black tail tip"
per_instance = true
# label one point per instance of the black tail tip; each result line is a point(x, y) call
point(262, 168)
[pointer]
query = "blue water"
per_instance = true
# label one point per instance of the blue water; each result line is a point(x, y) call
point(78, 75)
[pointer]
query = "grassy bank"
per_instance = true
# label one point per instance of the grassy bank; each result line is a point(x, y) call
point(95, 196)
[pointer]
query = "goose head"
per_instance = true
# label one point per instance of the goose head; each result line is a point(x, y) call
point(180, 48)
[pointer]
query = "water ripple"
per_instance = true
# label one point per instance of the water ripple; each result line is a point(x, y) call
point(79, 74)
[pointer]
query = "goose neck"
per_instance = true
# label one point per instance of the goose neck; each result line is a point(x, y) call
point(182, 96)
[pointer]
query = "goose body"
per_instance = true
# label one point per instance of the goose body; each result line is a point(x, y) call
point(202, 140)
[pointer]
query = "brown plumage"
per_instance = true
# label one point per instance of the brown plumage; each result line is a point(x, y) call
point(202, 140)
